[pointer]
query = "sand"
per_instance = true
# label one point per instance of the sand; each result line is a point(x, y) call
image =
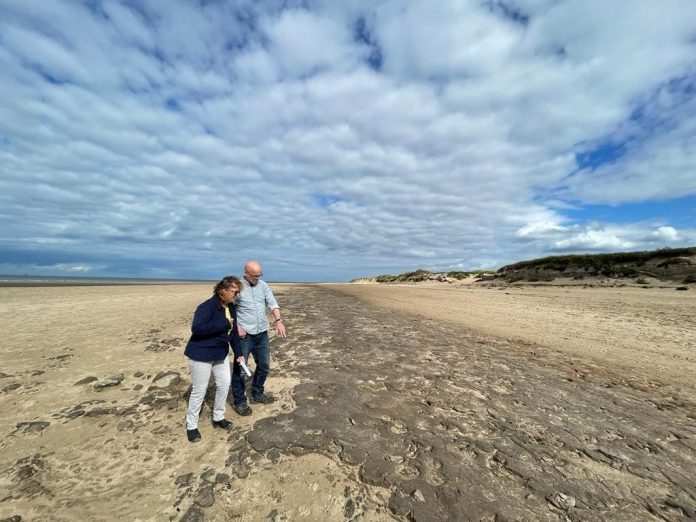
point(394, 403)
point(643, 332)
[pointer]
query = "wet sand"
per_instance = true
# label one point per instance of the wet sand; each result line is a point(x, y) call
point(492, 407)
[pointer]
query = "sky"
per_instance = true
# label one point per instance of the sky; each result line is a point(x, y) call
point(335, 139)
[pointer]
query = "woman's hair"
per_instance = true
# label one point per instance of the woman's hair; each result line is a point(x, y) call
point(227, 282)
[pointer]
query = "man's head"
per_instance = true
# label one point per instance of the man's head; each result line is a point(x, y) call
point(252, 272)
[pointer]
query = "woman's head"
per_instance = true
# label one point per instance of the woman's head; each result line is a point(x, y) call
point(227, 288)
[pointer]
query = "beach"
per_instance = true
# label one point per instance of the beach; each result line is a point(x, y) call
point(394, 402)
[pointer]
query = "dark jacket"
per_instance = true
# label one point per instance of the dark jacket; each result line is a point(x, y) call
point(210, 340)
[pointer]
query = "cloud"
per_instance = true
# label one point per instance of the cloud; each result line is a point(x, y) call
point(655, 158)
point(334, 140)
point(304, 43)
point(667, 234)
point(599, 237)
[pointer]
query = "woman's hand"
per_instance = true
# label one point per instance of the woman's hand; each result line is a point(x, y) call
point(241, 360)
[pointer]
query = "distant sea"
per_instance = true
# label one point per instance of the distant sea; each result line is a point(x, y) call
point(40, 280)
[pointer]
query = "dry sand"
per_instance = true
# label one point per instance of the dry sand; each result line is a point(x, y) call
point(393, 403)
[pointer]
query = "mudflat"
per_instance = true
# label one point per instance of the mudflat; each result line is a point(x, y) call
point(394, 403)
point(641, 333)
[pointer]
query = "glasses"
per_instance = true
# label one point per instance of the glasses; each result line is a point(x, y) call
point(255, 276)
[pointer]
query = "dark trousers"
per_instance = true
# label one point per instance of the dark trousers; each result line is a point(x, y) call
point(258, 346)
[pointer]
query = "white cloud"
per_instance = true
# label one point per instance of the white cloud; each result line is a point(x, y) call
point(303, 42)
point(666, 234)
point(599, 239)
point(661, 165)
point(453, 40)
point(540, 228)
point(72, 268)
point(129, 25)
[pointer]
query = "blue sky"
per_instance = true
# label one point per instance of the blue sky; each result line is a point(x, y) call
point(334, 139)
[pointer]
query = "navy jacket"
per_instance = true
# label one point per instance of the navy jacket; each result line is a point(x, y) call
point(209, 338)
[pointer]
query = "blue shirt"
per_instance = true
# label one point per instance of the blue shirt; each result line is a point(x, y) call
point(251, 306)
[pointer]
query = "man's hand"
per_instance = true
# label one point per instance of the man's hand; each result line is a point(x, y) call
point(241, 330)
point(280, 328)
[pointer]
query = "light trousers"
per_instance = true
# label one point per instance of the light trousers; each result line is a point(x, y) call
point(200, 375)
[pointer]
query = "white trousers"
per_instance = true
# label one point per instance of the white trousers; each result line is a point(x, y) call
point(200, 375)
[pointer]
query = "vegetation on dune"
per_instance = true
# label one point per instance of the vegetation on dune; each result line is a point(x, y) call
point(675, 264)
point(426, 275)
point(464, 275)
point(598, 261)
point(415, 276)
point(665, 263)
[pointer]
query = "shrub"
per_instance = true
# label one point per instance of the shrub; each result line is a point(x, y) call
point(540, 277)
point(558, 266)
point(418, 275)
point(673, 261)
point(627, 271)
point(459, 275)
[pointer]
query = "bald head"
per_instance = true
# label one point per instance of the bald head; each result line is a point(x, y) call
point(252, 271)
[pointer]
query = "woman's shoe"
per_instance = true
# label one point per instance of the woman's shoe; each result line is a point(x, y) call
point(193, 435)
point(224, 424)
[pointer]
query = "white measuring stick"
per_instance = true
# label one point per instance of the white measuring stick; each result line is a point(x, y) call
point(245, 368)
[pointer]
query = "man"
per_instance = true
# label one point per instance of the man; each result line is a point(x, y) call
point(252, 324)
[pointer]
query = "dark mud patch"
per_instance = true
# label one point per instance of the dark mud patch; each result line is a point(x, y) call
point(460, 426)
point(30, 427)
point(24, 479)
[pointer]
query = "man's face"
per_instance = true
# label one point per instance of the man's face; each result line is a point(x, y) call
point(253, 274)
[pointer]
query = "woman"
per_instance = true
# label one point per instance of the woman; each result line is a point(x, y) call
point(213, 330)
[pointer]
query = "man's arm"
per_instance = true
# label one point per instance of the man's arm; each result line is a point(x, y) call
point(275, 311)
point(279, 326)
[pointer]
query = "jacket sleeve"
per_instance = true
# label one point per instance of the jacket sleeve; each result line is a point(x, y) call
point(234, 336)
point(205, 321)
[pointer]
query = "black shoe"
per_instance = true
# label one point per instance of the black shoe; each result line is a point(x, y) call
point(242, 409)
point(224, 424)
point(193, 435)
point(262, 399)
